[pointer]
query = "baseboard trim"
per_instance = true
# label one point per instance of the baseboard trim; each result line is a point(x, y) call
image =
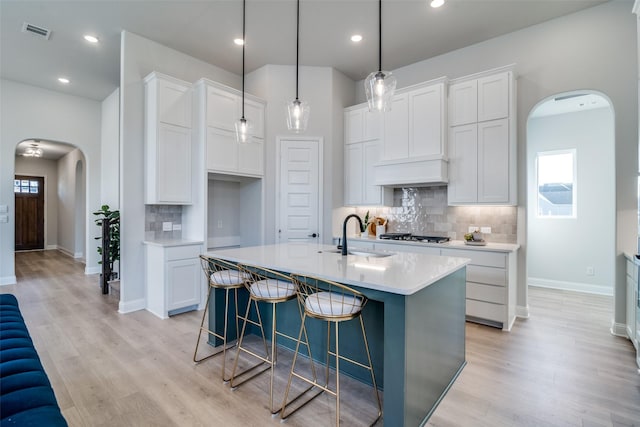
point(65, 251)
point(78, 255)
point(619, 329)
point(522, 311)
point(570, 286)
point(92, 270)
point(51, 247)
point(130, 306)
point(8, 280)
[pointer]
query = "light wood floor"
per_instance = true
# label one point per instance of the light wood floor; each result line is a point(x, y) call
point(561, 367)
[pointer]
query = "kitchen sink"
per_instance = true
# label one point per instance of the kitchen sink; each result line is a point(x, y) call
point(358, 252)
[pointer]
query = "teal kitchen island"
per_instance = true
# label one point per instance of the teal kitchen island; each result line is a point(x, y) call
point(415, 318)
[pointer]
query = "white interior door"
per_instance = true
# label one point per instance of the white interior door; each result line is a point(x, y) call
point(300, 185)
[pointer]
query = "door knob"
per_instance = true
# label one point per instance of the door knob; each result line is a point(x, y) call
point(313, 235)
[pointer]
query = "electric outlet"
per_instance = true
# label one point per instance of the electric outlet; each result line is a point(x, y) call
point(485, 230)
point(590, 271)
point(219, 223)
point(167, 226)
point(177, 227)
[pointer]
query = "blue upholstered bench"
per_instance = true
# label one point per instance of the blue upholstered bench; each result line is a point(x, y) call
point(26, 396)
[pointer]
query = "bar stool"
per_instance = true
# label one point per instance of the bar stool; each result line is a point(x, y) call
point(270, 287)
point(334, 303)
point(220, 275)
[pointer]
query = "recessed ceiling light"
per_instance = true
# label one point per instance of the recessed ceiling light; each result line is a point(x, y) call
point(239, 42)
point(90, 38)
point(63, 80)
point(436, 3)
point(356, 38)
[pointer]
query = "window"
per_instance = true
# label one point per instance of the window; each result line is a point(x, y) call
point(25, 186)
point(556, 181)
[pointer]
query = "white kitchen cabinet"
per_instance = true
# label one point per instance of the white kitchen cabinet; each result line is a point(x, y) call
point(395, 139)
point(414, 137)
point(221, 107)
point(361, 125)
point(463, 164)
point(491, 286)
point(168, 141)
point(174, 278)
point(482, 140)
point(360, 188)
point(361, 153)
point(632, 298)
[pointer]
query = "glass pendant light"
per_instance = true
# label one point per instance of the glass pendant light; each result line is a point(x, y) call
point(380, 85)
point(244, 128)
point(297, 111)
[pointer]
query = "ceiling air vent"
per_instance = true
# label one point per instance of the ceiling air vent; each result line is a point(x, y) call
point(35, 30)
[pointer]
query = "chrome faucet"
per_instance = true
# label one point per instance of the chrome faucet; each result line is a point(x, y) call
point(344, 231)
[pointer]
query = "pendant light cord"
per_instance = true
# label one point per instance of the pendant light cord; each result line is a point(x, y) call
point(297, 44)
point(380, 35)
point(244, 43)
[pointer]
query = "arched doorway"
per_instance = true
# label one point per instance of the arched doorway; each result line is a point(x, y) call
point(570, 158)
point(62, 169)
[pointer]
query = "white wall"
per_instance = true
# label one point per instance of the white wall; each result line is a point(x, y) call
point(327, 91)
point(592, 49)
point(67, 202)
point(29, 112)
point(110, 151)
point(139, 57)
point(561, 249)
point(48, 169)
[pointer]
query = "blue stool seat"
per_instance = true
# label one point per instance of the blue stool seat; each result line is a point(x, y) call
point(26, 396)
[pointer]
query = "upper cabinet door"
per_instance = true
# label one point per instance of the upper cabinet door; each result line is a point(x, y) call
point(254, 112)
point(354, 126)
point(396, 131)
point(426, 121)
point(372, 128)
point(174, 103)
point(222, 109)
point(493, 162)
point(173, 170)
point(463, 164)
point(463, 103)
point(493, 97)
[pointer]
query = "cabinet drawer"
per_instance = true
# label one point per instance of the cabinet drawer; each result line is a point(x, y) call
point(486, 310)
point(489, 259)
point(486, 293)
point(182, 252)
point(488, 275)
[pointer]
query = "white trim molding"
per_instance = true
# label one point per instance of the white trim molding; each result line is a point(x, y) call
point(8, 280)
point(618, 329)
point(130, 306)
point(92, 270)
point(522, 311)
point(570, 286)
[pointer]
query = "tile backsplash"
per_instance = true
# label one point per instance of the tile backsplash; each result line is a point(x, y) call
point(155, 215)
point(424, 210)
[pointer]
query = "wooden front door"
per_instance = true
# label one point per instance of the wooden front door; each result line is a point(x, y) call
point(29, 192)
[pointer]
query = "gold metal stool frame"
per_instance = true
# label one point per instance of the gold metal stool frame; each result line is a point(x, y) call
point(334, 303)
point(228, 278)
point(276, 286)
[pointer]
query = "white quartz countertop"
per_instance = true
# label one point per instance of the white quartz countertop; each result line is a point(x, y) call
point(402, 273)
point(453, 244)
point(165, 243)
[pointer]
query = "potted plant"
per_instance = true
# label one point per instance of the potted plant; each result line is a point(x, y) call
point(109, 221)
point(365, 226)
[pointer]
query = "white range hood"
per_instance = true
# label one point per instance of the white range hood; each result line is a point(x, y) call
point(417, 172)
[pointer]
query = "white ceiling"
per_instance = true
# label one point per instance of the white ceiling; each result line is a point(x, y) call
point(412, 31)
point(570, 103)
point(50, 150)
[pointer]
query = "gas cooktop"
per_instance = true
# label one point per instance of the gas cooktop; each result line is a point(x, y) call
point(414, 237)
